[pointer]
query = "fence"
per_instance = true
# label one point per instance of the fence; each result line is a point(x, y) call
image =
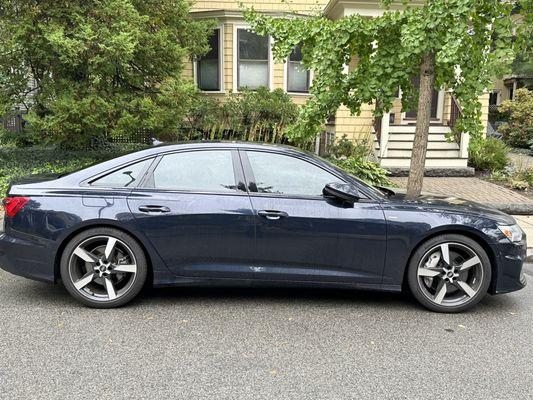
point(14, 122)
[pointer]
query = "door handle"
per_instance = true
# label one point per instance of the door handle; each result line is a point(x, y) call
point(154, 209)
point(272, 214)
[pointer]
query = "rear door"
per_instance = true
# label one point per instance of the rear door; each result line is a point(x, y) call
point(301, 235)
point(194, 208)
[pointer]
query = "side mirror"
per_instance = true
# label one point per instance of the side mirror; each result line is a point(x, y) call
point(342, 191)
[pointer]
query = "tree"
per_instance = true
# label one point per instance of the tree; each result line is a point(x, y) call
point(107, 67)
point(523, 64)
point(457, 44)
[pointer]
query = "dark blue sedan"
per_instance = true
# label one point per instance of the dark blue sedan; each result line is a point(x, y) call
point(249, 214)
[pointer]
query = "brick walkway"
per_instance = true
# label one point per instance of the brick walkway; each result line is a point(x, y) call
point(470, 189)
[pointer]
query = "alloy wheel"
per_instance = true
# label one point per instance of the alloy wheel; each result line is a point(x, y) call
point(450, 274)
point(102, 268)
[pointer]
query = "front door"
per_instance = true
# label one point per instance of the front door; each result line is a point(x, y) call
point(301, 235)
point(434, 101)
point(194, 213)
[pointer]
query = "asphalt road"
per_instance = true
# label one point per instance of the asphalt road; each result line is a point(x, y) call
point(261, 344)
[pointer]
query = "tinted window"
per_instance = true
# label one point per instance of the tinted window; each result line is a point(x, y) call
point(124, 177)
point(206, 171)
point(280, 174)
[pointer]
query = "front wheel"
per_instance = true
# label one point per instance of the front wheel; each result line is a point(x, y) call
point(103, 267)
point(449, 273)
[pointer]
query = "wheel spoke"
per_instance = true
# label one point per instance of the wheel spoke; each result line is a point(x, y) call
point(84, 255)
point(110, 288)
point(84, 281)
point(465, 287)
point(445, 250)
point(440, 292)
point(110, 247)
point(470, 263)
point(125, 268)
point(433, 260)
point(428, 272)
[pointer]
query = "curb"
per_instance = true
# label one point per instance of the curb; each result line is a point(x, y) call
point(514, 209)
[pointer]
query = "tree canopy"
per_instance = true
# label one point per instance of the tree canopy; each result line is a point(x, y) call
point(470, 41)
point(100, 67)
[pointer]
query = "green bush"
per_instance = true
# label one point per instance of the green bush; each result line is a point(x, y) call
point(19, 162)
point(260, 115)
point(518, 130)
point(367, 171)
point(345, 147)
point(488, 154)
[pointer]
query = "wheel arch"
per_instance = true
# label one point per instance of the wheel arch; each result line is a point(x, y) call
point(99, 224)
point(473, 234)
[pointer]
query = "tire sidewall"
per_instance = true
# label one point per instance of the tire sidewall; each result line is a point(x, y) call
point(417, 258)
point(140, 277)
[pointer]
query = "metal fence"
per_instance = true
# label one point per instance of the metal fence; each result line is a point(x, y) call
point(14, 122)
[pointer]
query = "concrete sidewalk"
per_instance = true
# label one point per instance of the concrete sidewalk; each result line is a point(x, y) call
point(477, 190)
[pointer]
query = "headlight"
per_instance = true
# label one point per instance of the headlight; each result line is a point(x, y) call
point(511, 232)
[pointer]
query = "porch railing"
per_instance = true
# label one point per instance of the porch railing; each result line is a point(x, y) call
point(461, 138)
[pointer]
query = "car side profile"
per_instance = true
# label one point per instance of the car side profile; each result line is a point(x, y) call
point(251, 214)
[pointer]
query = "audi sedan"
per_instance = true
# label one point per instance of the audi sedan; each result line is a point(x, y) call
point(243, 214)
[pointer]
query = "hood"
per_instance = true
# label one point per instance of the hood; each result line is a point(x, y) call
point(452, 204)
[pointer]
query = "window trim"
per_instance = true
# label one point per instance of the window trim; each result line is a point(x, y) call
point(238, 174)
point(222, 89)
point(250, 178)
point(310, 77)
point(270, 69)
point(88, 181)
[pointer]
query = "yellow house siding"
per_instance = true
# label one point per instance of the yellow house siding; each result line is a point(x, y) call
point(300, 6)
point(228, 57)
point(356, 128)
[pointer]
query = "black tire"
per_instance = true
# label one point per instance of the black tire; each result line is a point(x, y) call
point(138, 279)
point(416, 282)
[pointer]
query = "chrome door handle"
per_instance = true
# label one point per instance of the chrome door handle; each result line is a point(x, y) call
point(272, 214)
point(154, 209)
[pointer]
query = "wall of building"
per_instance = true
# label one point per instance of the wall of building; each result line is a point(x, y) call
point(300, 6)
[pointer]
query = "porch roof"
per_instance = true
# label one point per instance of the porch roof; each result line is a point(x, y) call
point(336, 9)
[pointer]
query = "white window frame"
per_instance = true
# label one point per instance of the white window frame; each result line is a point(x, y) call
point(286, 80)
point(220, 29)
point(235, 68)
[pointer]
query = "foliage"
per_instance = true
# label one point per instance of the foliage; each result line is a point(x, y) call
point(515, 177)
point(471, 40)
point(347, 148)
point(518, 130)
point(16, 162)
point(523, 64)
point(365, 170)
point(488, 154)
point(108, 67)
point(260, 115)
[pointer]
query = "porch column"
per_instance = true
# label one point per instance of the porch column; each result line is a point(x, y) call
point(463, 146)
point(384, 142)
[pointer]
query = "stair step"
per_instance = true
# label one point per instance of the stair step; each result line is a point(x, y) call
point(411, 129)
point(443, 153)
point(432, 137)
point(433, 145)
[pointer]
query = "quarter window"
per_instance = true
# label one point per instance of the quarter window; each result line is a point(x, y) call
point(204, 171)
point(285, 175)
point(252, 60)
point(208, 67)
point(124, 177)
point(298, 78)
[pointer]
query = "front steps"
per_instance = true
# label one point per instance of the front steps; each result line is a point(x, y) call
point(440, 155)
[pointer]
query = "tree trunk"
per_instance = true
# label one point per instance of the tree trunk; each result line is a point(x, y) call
point(420, 143)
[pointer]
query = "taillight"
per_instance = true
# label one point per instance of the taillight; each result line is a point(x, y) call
point(12, 205)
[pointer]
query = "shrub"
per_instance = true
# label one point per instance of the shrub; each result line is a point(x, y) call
point(367, 171)
point(260, 115)
point(518, 130)
point(347, 148)
point(514, 177)
point(19, 162)
point(488, 154)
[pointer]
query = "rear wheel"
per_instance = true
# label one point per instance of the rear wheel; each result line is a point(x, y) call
point(449, 273)
point(103, 267)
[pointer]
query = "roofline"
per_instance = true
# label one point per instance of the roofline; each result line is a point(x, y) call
point(238, 14)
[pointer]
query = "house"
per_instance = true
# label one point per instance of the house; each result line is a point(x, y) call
point(240, 58)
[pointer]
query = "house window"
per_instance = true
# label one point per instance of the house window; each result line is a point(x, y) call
point(298, 78)
point(208, 67)
point(494, 97)
point(252, 60)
